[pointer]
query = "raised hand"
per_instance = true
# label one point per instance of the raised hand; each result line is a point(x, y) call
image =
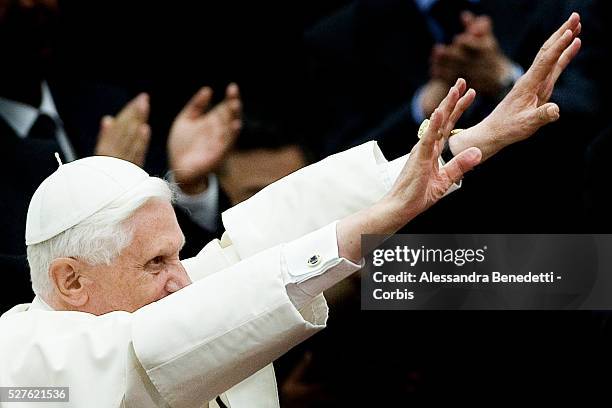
point(526, 107)
point(422, 181)
point(201, 138)
point(127, 135)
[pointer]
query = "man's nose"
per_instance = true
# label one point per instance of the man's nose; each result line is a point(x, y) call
point(178, 279)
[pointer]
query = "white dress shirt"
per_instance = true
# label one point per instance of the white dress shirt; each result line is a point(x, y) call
point(21, 118)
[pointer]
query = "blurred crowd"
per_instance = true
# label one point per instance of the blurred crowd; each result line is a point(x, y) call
point(224, 98)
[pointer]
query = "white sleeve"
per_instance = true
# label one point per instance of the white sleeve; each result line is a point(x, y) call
point(200, 341)
point(307, 200)
point(312, 265)
point(203, 208)
point(311, 198)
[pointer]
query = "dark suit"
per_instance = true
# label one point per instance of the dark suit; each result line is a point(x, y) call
point(27, 162)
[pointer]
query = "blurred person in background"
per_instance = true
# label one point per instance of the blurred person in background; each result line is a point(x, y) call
point(268, 149)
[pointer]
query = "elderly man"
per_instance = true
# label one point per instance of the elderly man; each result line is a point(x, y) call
point(121, 321)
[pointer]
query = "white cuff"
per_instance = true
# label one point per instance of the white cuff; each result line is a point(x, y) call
point(311, 265)
point(203, 208)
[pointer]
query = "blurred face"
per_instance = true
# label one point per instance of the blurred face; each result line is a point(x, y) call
point(147, 270)
point(245, 173)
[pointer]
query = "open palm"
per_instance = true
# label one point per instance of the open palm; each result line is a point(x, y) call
point(200, 138)
point(526, 108)
point(423, 181)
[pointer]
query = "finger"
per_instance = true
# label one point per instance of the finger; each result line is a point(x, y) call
point(551, 51)
point(570, 24)
point(232, 98)
point(141, 144)
point(467, 18)
point(232, 91)
point(568, 54)
point(234, 108)
point(450, 101)
point(142, 107)
point(461, 164)
point(464, 102)
point(547, 113)
point(106, 123)
point(426, 144)
point(137, 108)
point(483, 25)
point(461, 86)
point(546, 60)
point(198, 104)
point(227, 111)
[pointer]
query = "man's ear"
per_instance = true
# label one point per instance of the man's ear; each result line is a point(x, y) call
point(69, 284)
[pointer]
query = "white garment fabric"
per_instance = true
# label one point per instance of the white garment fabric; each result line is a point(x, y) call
point(219, 334)
point(203, 208)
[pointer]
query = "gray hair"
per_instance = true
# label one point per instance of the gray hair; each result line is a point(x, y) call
point(98, 239)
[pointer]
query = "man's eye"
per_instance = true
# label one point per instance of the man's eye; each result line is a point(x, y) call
point(158, 260)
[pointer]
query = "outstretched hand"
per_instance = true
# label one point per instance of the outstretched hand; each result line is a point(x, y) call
point(420, 184)
point(422, 181)
point(526, 108)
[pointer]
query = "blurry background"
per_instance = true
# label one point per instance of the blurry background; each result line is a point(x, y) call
point(318, 77)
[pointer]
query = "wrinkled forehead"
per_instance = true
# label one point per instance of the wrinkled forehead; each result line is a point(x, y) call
point(155, 228)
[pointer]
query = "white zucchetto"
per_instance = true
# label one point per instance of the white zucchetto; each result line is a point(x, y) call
point(77, 190)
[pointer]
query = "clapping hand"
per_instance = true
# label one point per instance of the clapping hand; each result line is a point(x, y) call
point(127, 135)
point(474, 54)
point(200, 137)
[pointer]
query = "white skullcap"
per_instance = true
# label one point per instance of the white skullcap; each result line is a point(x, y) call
point(77, 190)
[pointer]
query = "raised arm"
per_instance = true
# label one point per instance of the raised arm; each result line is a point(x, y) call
point(526, 108)
point(352, 181)
point(421, 183)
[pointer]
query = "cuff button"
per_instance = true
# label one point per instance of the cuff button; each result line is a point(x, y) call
point(314, 260)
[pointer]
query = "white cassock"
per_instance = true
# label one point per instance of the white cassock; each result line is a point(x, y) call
point(255, 295)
